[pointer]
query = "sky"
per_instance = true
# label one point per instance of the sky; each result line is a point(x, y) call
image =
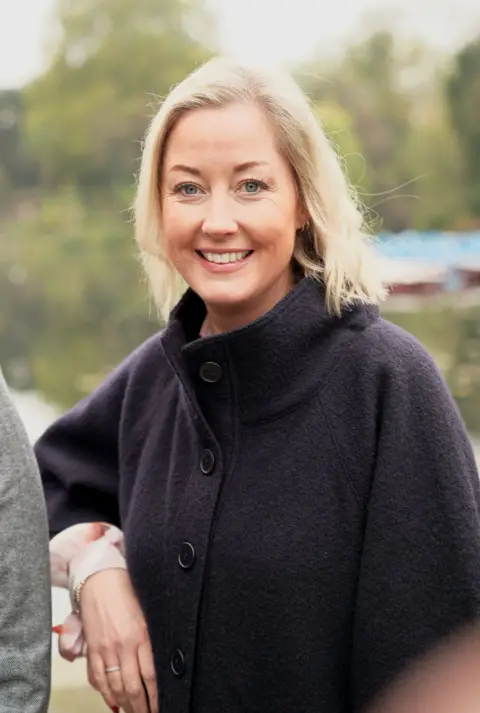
point(268, 31)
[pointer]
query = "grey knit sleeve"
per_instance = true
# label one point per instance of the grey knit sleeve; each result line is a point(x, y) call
point(25, 593)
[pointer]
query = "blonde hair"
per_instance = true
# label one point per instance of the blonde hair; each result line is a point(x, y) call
point(333, 247)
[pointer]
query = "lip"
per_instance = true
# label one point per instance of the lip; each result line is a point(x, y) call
point(223, 267)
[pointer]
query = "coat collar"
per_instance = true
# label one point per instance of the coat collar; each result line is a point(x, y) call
point(268, 366)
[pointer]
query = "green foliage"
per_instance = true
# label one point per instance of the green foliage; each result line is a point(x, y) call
point(393, 97)
point(73, 277)
point(16, 168)
point(338, 126)
point(464, 100)
point(87, 115)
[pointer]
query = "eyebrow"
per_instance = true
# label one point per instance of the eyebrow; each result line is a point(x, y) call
point(238, 169)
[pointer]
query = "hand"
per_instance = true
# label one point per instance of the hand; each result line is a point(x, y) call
point(444, 680)
point(116, 635)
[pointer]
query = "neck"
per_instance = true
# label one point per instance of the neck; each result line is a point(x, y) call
point(226, 319)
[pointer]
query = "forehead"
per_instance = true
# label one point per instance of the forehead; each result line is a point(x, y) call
point(236, 132)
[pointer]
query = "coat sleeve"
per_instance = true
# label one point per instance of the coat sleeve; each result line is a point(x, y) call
point(25, 604)
point(78, 458)
point(420, 568)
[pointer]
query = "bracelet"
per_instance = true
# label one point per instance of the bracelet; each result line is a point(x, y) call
point(77, 590)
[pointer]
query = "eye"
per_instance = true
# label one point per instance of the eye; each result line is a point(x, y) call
point(187, 189)
point(252, 186)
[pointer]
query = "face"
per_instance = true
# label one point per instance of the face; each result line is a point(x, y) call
point(230, 210)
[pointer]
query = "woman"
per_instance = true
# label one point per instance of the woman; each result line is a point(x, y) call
point(296, 489)
point(25, 620)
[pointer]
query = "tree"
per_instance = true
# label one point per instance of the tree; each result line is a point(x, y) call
point(77, 302)
point(87, 114)
point(16, 167)
point(338, 126)
point(463, 92)
point(391, 94)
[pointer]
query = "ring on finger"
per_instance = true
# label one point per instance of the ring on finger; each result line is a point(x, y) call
point(111, 669)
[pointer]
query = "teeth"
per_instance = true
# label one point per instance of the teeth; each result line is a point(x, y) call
point(225, 257)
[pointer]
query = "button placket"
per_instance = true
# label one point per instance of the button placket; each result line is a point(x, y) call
point(191, 528)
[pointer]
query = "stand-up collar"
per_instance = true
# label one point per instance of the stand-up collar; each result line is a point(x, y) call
point(271, 364)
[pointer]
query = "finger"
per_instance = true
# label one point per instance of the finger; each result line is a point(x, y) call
point(98, 679)
point(125, 702)
point(115, 683)
point(147, 671)
point(65, 652)
point(134, 696)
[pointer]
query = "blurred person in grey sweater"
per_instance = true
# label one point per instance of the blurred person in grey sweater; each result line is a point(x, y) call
point(25, 593)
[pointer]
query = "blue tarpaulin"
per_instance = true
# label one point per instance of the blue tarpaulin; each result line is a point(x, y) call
point(435, 248)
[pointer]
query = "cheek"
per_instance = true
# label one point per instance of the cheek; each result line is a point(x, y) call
point(177, 227)
point(275, 227)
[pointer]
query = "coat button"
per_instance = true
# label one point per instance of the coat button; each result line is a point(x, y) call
point(186, 556)
point(211, 372)
point(207, 462)
point(177, 662)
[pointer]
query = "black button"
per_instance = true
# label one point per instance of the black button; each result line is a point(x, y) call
point(186, 556)
point(211, 372)
point(177, 662)
point(207, 462)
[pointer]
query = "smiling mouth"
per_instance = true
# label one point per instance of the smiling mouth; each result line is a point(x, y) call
point(223, 258)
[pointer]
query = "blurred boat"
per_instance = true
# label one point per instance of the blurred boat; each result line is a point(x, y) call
point(429, 263)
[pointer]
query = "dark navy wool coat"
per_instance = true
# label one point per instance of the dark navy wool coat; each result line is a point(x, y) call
point(299, 499)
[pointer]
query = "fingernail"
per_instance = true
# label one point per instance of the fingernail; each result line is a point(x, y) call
point(57, 629)
point(115, 709)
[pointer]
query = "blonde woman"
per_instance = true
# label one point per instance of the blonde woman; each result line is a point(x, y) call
point(296, 490)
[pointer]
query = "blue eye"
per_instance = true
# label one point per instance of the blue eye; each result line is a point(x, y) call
point(252, 186)
point(188, 189)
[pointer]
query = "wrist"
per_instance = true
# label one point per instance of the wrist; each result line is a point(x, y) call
point(102, 554)
point(75, 596)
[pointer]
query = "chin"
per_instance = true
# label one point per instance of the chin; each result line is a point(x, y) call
point(221, 299)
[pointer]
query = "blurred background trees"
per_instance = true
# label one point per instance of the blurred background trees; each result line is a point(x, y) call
point(463, 96)
point(405, 119)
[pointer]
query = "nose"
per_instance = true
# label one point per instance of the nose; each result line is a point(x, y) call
point(219, 221)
